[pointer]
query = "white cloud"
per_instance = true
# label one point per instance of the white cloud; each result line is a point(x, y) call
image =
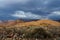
point(19, 14)
point(28, 15)
point(56, 12)
point(54, 15)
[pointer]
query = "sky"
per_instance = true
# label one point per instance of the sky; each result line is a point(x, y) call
point(29, 9)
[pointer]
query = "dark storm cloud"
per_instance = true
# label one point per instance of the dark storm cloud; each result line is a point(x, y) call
point(41, 9)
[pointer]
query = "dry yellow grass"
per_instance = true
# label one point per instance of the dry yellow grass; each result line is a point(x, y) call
point(19, 23)
point(39, 23)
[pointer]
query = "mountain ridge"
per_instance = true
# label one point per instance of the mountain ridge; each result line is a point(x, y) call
point(19, 23)
point(40, 23)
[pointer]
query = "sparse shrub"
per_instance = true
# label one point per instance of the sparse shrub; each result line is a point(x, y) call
point(29, 32)
point(37, 33)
